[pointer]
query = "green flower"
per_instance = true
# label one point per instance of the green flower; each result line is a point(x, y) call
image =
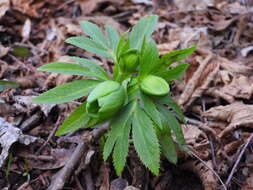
point(129, 61)
point(153, 85)
point(105, 100)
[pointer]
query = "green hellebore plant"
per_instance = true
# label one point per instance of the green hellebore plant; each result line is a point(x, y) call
point(106, 99)
point(135, 100)
point(129, 61)
point(153, 85)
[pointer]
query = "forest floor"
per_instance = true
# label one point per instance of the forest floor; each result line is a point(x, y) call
point(215, 94)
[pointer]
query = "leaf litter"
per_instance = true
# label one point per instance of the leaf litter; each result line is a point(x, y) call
point(215, 93)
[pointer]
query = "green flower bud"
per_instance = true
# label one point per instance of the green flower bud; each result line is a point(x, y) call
point(153, 85)
point(129, 61)
point(105, 100)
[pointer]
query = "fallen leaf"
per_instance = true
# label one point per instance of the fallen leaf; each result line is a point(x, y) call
point(8, 136)
point(4, 6)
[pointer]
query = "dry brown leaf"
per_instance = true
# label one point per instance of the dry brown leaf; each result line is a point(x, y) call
point(88, 6)
point(26, 30)
point(168, 47)
point(200, 80)
point(237, 114)
point(189, 36)
point(240, 87)
point(187, 5)
point(10, 135)
point(207, 177)
point(248, 185)
point(29, 7)
point(4, 6)
point(3, 50)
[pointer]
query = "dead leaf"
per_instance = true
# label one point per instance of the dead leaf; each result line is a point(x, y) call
point(187, 5)
point(26, 30)
point(247, 50)
point(3, 50)
point(8, 136)
point(4, 6)
point(237, 115)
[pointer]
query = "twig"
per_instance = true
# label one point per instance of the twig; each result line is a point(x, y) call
point(211, 169)
point(238, 159)
point(62, 176)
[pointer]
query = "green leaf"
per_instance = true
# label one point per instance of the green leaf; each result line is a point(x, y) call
point(173, 105)
point(117, 128)
point(67, 92)
point(77, 119)
point(113, 37)
point(174, 73)
point(145, 141)
point(174, 125)
point(96, 69)
point(70, 69)
point(120, 151)
point(94, 32)
point(149, 58)
point(7, 84)
point(168, 147)
point(150, 108)
point(143, 29)
point(21, 51)
point(177, 55)
point(89, 45)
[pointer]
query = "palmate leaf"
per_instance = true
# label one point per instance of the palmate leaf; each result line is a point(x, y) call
point(97, 70)
point(118, 137)
point(66, 92)
point(143, 29)
point(113, 37)
point(174, 125)
point(167, 100)
point(95, 33)
point(146, 141)
point(71, 69)
point(120, 151)
point(150, 108)
point(149, 58)
point(176, 55)
point(173, 73)
point(89, 45)
point(166, 142)
point(77, 119)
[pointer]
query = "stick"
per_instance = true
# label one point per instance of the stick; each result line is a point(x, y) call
point(62, 176)
point(238, 159)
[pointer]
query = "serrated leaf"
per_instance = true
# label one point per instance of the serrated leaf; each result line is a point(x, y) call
point(66, 92)
point(77, 119)
point(149, 58)
point(176, 55)
point(94, 32)
point(70, 69)
point(121, 149)
point(117, 127)
point(145, 141)
point(150, 108)
point(113, 37)
point(174, 125)
point(4, 84)
point(167, 100)
point(89, 45)
point(168, 147)
point(143, 29)
point(167, 144)
point(174, 73)
point(96, 69)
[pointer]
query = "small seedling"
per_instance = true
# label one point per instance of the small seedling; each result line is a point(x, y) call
point(135, 100)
